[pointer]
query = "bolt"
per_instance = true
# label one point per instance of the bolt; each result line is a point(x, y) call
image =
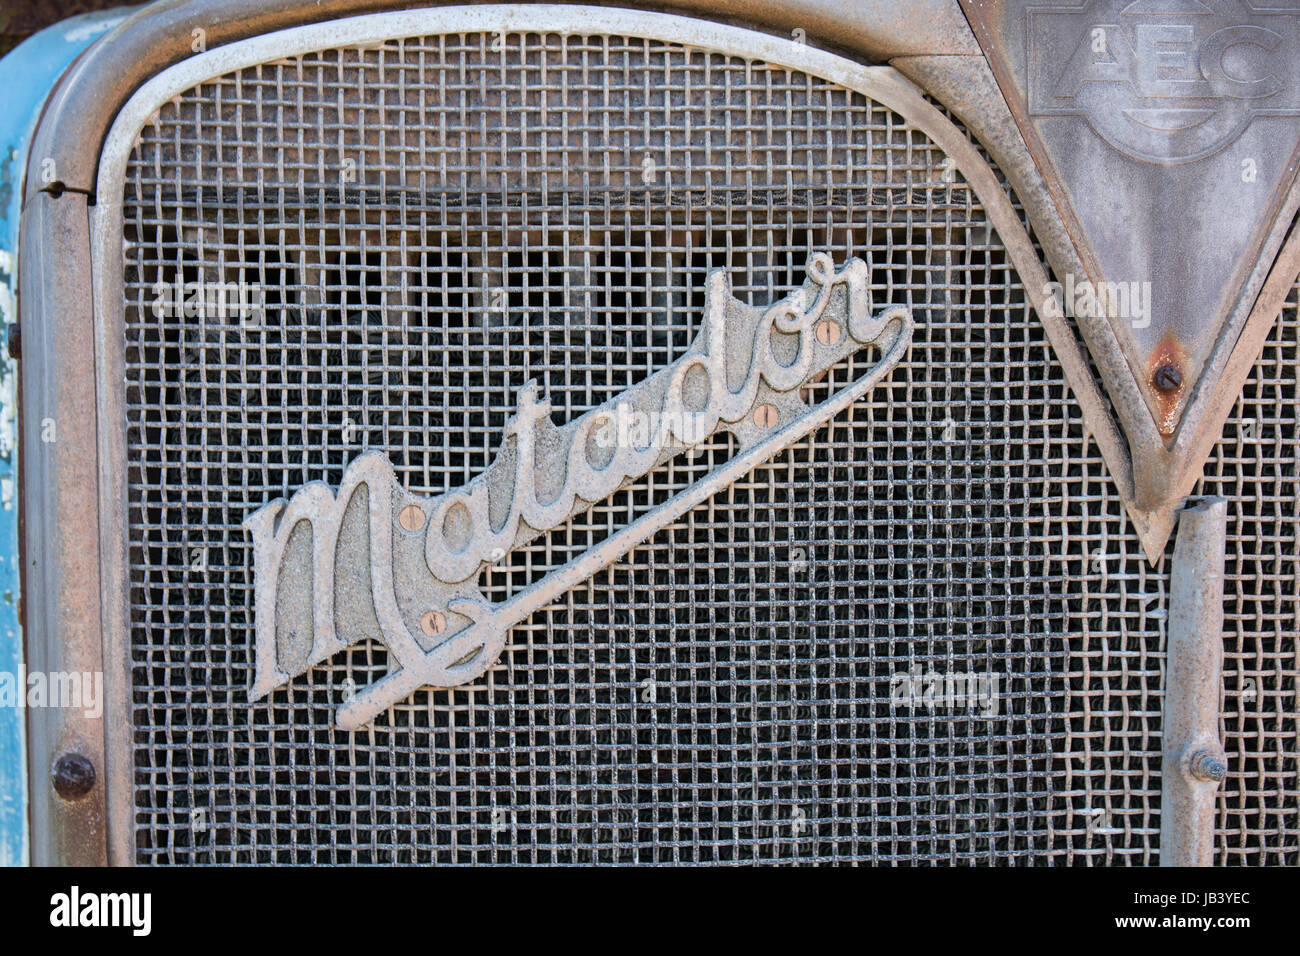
point(827, 332)
point(73, 776)
point(1206, 765)
point(433, 623)
point(411, 518)
point(1167, 378)
point(15, 341)
point(765, 416)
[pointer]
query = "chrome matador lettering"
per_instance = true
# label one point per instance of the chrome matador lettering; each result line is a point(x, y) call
point(372, 560)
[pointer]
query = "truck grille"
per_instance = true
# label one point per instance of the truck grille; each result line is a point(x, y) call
point(430, 223)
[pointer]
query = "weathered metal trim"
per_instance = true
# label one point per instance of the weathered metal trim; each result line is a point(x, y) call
point(168, 32)
point(1193, 763)
point(1153, 477)
point(883, 84)
point(61, 524)
point(27, 74)
point(1233, 366)
point(966, 85)
point(1164, 468)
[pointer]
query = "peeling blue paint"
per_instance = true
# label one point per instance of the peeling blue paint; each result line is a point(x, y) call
point(27, 74)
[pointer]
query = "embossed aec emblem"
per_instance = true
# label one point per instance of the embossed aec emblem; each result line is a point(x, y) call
point(370, 560)
point(1164, 81)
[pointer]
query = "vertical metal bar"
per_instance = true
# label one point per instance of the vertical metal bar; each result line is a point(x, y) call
point(1194, 762)
point(27, 75)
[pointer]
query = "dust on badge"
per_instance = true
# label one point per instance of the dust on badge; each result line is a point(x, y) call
point(1163, 81)
point(333, 567)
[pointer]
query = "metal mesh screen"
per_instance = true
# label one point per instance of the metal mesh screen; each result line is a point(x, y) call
point(428, 224)
point(1257, 467)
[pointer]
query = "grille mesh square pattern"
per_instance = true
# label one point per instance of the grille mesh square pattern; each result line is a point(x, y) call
point(430, 223)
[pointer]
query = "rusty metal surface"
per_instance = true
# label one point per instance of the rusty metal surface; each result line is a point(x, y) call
point(69, 135)
point(1150, 101)
point(1193, 762)
point(1254, 466)
point(169, 31)
point(1095, 116)
point(966, 86)
point(60, 523)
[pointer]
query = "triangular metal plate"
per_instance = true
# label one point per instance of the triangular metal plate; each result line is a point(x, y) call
point(1168, 132)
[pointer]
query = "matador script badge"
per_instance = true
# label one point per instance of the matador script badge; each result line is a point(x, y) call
point(371, 560)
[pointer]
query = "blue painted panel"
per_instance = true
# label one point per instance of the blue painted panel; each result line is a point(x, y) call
point(27, 74)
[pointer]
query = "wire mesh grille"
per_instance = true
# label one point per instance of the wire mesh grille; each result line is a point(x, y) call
point(426, 225)
point(1257, 467)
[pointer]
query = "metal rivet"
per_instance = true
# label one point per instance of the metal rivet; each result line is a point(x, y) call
point(73, 776)
point(433, 623)
point(765, 416)
point(411, 518)
point(827, 332)
point(1167, 378)
point(1206, 765)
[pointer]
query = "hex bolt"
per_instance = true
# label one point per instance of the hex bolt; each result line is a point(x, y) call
point(1206, 765)
point(1167, 378)
point(73, 776)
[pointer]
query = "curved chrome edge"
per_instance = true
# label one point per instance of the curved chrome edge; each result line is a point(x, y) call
point(368, 29)
point(163, 34)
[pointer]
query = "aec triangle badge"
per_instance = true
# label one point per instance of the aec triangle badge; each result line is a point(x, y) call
point(1168, 132)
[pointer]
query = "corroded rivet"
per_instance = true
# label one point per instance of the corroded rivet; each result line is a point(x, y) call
point(1167, 378)
point(73, 776)
point(411, 518)
point(827, 332)
point(765, 416)
point(1206, 765)
point(433, 623)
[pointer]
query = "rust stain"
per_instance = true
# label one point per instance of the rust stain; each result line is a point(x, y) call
point(1168, 360)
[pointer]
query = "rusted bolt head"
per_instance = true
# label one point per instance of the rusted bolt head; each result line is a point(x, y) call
point(73, 776)
point(765, 416)
point(433, 623)
point(827, 332)
point(1167, 378)
point(1206, 765)
point(411, 518)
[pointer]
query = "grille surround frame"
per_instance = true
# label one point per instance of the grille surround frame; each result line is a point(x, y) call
point(879, 84)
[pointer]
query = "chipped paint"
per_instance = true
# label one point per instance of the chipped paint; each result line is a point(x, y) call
point(8, 373)
point(27, 74)
point(82, 33)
